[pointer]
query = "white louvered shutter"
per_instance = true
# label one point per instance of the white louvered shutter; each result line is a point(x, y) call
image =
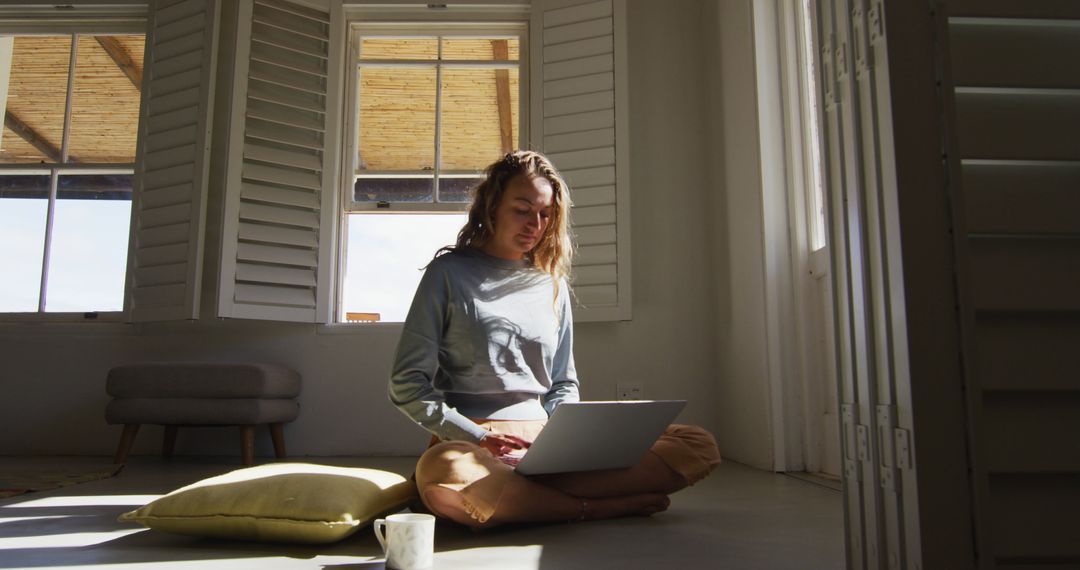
point(277, 253)
point(168, 211)
point(579, 120)
point(1016, 96)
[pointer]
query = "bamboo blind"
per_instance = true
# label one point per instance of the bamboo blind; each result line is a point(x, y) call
point(397, 118)
point(428, 48)
point(397, 114)
point(397, 106)
point(105, 103)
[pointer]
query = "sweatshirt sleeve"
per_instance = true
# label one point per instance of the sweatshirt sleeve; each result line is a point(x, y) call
point(564, 380)
point(416, 361)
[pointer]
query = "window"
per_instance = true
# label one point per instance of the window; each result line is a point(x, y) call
point(311, 172)
point(816, 179)
point(67, 152)
point(430, 109)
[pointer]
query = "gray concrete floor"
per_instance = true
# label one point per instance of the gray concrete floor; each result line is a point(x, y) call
point(738, 518)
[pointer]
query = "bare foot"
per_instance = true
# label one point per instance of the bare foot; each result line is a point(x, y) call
point(659, 506)
point(645, 504)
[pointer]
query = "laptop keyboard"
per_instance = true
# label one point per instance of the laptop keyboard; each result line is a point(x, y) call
point(513, 458)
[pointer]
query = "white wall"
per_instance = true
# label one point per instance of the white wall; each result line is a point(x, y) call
point(697, 332)
point(743, 424)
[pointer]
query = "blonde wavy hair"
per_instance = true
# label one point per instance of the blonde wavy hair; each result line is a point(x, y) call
point(554, 252)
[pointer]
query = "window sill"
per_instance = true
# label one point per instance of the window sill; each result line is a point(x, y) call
point(87, 317)
point(64, 323)
point(359, 328)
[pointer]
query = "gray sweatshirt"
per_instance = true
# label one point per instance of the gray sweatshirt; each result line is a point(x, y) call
point(485, 338)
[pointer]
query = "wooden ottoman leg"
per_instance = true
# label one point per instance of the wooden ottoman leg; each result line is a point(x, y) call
point(278, 435)
point(126, 439)
point(169, 443)
point(247, 444)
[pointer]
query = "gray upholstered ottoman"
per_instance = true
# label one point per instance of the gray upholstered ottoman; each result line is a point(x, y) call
point(175, 394)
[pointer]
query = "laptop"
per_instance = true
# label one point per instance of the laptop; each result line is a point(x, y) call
point(586, 436)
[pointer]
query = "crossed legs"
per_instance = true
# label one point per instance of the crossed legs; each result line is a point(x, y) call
point(639, 490)
point(465, 483)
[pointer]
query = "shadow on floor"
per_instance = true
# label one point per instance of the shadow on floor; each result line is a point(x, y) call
point(737, 518)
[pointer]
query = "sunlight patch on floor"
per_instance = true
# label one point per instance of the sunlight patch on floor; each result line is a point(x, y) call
point(515, 557)
point(86, 501)
point(67, 540)
point(7, 520)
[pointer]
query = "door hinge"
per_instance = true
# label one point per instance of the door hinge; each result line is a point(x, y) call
point(863, 437)
point(849, 425)
point(903, 448)
point(877, 22)
point(851, 471)
point(828, 73)
point(863, 59)
point(841, 62)
point(885, 423)
point(848, 422)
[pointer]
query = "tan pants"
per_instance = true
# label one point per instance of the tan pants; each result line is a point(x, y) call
point(480, 478)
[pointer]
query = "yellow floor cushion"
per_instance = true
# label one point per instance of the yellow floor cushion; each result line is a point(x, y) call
point(282, 502)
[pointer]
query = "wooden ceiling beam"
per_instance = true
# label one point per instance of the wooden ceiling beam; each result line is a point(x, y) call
point(501, 51)
point(120, 57)
point(28, 134)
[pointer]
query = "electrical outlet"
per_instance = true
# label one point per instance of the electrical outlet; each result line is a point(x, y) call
point(630, 391)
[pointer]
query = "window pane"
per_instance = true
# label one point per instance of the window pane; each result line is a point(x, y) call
point(399, 48)
point(394, 190)
point(816, 202)
point(35, 69)
point(478, 123)
point(483, 49)
point(386, 257)
point(24, 203)
point(95, 187)
point(105, 102)
point(454, 189)
point(88, 260)
point(397, 119)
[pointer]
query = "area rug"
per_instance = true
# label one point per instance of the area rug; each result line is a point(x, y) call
point(16, 480)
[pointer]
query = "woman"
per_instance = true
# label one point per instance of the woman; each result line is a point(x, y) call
point(486, 356)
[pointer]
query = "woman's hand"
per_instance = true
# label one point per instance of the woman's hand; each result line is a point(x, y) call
point(501, 444)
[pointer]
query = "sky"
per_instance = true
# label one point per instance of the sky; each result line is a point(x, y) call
point(385, 258)
point(386, 254)
point(89, 254)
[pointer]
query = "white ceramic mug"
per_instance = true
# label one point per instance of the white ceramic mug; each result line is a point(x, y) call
point(408, 540)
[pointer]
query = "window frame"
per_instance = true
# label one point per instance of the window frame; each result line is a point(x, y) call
point(811, 104)
point(350, 147)
point(413, 24)
point(33, 22)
